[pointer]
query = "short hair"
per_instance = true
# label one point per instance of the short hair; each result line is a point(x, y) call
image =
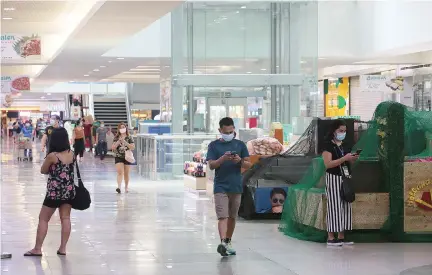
point(56, 117)
point(59, 141)
point(278, 190)
point(226, 121)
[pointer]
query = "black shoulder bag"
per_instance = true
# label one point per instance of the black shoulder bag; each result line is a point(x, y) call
point(82, 198)
point(347, 192)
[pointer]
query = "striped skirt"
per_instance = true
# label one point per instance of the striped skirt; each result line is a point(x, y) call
point(339, 212)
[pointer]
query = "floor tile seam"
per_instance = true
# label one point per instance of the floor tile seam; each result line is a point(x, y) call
point(271, 260)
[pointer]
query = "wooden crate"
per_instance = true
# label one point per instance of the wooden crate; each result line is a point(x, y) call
point(417, 193)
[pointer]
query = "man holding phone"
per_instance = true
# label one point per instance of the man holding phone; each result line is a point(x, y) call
point(227, 156)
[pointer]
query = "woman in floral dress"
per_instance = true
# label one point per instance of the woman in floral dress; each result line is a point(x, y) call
point(59, 165)
point(122, 142)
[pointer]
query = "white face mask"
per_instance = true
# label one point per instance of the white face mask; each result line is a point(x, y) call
point(52, 121)
point(122, 130)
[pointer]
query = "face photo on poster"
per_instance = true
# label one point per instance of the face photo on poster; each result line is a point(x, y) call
point(270, 199)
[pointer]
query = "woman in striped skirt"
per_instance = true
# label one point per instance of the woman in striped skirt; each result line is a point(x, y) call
point(336, 161)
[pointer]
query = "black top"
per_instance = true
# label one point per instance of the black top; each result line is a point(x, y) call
point(48, 132)
point(337, 152)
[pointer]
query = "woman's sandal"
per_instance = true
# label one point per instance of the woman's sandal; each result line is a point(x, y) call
point(61, 254)
point(118, 190)
point(31, 254)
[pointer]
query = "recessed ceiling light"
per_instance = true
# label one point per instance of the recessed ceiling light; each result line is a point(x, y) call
point(120, 58)
point(263, 69)
point(96, 70)
point(102, 66)
point(42, 97)
point(7, 18)
point(243, 7)
point(9, 9)
point(248, 72)
point(237, 11)
point(48, 93)
point(86, 75)
point(109, 61)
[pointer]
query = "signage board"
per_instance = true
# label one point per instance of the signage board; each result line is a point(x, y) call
point(20, 47)
point(381, 83)
point(14, 84)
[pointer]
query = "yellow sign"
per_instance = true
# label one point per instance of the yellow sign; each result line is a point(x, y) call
point(336, 93)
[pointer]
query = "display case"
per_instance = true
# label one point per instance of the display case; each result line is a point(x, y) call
point(163, 156)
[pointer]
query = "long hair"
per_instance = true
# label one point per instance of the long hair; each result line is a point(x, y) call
point(59, 141)
point(78, 122)
point(118, 129)
point(333, 127)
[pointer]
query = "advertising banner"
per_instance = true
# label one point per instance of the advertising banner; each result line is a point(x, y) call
point(14, 84)
point(75, 112)
point(19, 47)
point(336, 93)
point(381, 83)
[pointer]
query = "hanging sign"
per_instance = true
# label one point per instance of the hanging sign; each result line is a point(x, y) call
point(14, 84)
point(16, 47)
point(381, 83)
point(47, 106)
point(75, 112)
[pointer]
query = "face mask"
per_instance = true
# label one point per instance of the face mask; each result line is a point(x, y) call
point(123, 130)
point(340, 136)
point(228, 137)
point(28, 124)
point(102, 125)
point(52, 121)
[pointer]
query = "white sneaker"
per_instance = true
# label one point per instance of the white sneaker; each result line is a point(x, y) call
point(231, 250)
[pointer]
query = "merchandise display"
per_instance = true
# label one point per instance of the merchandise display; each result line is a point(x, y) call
point(264, 146)
point(391, 179)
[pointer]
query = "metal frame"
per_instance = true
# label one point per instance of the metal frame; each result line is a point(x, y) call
point(237, 80)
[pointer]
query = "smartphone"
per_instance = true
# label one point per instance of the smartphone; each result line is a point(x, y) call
point(358, 152)
point(233, 153)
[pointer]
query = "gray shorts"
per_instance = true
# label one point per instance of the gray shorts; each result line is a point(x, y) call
point(227, 205)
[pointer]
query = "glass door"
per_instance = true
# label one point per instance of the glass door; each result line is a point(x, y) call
point(218, 108)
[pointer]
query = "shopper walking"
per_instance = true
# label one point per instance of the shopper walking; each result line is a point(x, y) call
point(59, 165)
point(88, 133)
point(46, 138)
point(101, 137)
point(337, 161)
point(78, 140)
point(227, 156)
point(122, 142)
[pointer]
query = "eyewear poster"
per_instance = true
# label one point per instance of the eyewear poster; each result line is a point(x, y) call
point(14, 84)
point(381, 83)
point(15, 46)
point(336, 93)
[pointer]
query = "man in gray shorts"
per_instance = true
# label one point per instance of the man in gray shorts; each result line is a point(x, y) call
point(227, 156)
point(101, 137)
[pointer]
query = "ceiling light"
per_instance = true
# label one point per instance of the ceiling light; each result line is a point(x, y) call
point(237, 11)
point(263, 69)
point(109, 61)
point(120, 58)
point(102, 66)
point(9, 9)
point(86, 75)
point(48, 93)
point(96, 70)
point(248, 72)
point(42, 97)
point(243, 7)
point(7, 18)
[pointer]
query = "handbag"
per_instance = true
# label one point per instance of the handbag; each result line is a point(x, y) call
point(129, 157)
point(82, 198)
point(347, 192)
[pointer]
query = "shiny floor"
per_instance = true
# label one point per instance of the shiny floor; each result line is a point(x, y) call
point(159, 229)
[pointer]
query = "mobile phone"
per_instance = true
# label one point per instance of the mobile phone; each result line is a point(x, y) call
point(358, 152)
point(233, 153)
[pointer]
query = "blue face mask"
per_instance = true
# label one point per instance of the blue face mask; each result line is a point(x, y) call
point(340, 136)
point(228, 137)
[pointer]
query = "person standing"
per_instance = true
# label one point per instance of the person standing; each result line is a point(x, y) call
point(78, 140)
point(336, 161)
point(227, 156)
point(95, 126)
point(59, 166)
point(88, 133)
point(122, 142)
point(46, 138)
point(101, 137)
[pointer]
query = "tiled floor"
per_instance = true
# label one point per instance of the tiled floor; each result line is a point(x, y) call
point(159, 228)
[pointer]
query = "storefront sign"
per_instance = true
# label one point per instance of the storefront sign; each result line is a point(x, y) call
point(52, 106)
point(336, 93)
point(16, 47)
point(14, 84)
point(381, 83)
point(418, 197)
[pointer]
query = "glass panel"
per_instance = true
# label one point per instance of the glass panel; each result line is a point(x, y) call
point(216, 113)
point(237, 113)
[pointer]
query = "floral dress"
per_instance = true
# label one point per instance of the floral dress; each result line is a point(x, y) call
point(60, 185)
point(120, 151)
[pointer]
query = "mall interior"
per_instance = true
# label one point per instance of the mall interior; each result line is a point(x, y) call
point(170, 70)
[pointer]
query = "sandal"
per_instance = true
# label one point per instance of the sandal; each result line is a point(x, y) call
point(61, 254)
point(31, 254)
point(118, 190)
